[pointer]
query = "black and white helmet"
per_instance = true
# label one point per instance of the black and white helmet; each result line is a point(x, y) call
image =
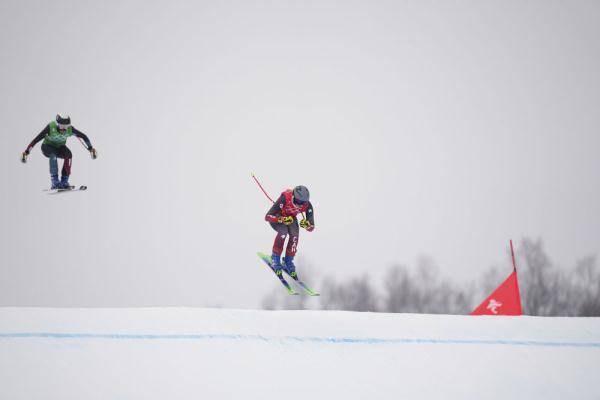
point(301, 195)
point(63, 121)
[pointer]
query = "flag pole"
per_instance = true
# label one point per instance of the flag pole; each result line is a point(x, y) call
point(512, 252)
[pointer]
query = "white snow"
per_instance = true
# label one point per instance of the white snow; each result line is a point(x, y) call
point(184, 353)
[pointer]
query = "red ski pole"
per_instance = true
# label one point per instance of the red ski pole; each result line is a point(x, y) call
point(261, 188)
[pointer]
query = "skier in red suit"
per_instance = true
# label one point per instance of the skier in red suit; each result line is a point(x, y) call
point(282, 217)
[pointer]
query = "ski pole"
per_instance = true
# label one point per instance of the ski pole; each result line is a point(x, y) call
point(81, 141)
point(261, 188)
point(85, 147)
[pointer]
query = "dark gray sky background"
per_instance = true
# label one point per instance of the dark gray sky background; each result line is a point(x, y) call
point(439, 128)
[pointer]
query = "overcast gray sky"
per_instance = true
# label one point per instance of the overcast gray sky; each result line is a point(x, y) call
point(439, 128)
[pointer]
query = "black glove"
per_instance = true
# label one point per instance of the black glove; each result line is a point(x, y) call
point(93, 153)
point(24, 156)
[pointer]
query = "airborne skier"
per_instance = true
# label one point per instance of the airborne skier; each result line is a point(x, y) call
point(282, 217)
point(55, 136)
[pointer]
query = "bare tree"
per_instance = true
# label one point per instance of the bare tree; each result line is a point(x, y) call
point(425, 292)
point(401, 293)
point(537, 281)
point(545, 290)
point(355, 295)
point(587, 287)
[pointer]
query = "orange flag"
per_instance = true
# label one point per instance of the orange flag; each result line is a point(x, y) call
point(505, 300)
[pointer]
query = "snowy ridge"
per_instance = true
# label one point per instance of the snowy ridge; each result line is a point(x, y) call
point(183, 353)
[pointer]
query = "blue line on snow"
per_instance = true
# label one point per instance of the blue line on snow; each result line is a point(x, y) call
point(299, 339)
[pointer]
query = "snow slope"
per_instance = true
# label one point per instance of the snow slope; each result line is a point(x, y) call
point(181, 353)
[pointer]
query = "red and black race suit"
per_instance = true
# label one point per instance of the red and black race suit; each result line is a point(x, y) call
point(283, 207)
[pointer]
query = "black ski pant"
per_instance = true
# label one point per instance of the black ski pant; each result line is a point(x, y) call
point(293, 231)
point(58, 152)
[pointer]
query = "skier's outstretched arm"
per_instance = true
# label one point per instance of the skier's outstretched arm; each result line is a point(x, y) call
point(38, 138)
point(87, 141)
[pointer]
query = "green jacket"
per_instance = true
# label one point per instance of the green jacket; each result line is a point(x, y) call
point(57, 138)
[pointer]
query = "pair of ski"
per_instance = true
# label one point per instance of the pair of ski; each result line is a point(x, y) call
point(63, 190)
point(288, 287)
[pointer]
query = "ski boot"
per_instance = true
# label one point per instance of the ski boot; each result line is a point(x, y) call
point(64, 182)
point(289, 267)
point(55, 182)
point(276, 264)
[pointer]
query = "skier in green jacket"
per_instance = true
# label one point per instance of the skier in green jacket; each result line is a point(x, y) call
point(55, 136)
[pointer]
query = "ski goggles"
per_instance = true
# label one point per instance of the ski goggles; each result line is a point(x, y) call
point(299, 202)
point(63, 127)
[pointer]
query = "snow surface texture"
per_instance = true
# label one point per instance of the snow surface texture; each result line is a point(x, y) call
point(182, 353)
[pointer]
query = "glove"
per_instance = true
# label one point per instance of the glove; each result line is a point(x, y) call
point(305, 224)
point(93, 153)
point(285, 220)
point(24, 156)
